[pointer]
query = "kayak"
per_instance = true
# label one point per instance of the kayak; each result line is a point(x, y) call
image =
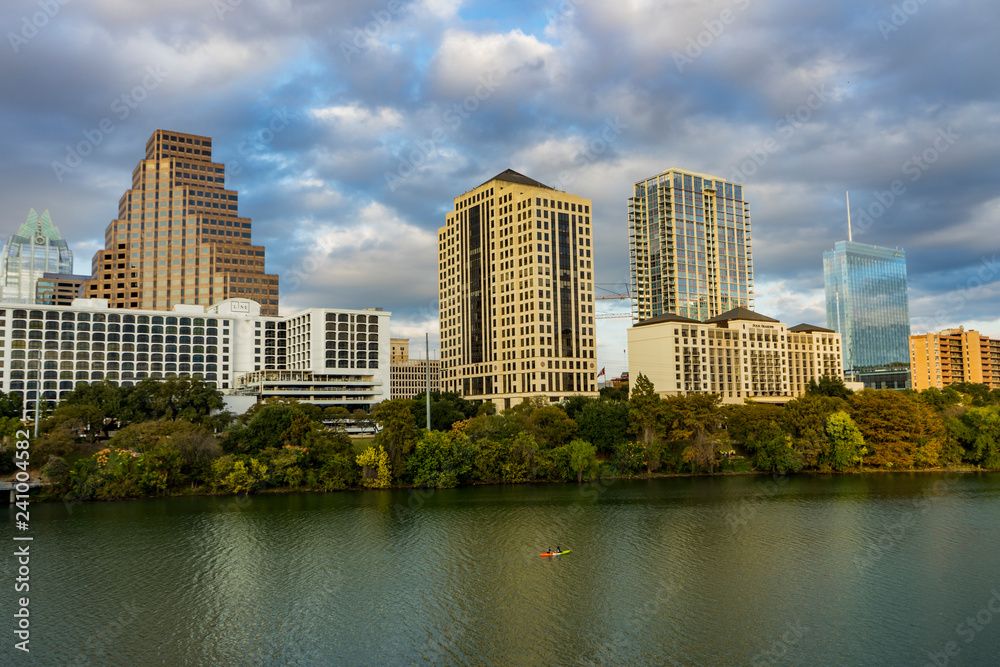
point(554, 553)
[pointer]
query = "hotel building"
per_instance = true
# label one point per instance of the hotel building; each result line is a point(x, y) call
point(35, 251)
point(516, 291)
point(689, 246)
point(326, 356)
point(738, 355)
point(867, 303)
point(178, 237)
point(953, 356)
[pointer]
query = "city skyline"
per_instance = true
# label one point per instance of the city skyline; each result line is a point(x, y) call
point(344, 129)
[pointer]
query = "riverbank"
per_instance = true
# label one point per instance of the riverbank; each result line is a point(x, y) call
point(39, 494)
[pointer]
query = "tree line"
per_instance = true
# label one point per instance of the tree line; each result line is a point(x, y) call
point(170, 438)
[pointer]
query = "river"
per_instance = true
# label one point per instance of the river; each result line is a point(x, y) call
point(881, 569)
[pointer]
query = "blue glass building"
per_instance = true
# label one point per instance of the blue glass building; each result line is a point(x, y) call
point(867, 303)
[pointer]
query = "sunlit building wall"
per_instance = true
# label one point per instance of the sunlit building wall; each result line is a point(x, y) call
point(516, 292)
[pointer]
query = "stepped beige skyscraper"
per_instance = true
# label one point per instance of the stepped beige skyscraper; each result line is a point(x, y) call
point(178, 237)
point(515, 278)
point(689, 242)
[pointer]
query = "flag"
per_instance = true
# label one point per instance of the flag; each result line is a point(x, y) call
point(601, 373)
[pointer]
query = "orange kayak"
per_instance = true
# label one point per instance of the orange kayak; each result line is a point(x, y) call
point(554, 553)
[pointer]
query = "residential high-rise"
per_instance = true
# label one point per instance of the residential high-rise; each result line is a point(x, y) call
point(515, 272)
point(952, 356)
point(867, 303)
point(178, 237)
point(36, 249)
point(689, 243)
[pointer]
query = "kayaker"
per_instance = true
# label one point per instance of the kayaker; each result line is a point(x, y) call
point(549, 550)
point(558, 550)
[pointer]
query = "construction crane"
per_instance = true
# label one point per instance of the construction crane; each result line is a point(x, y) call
point(612, 295)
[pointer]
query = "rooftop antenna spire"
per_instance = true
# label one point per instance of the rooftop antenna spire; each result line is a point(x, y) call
point(849, 216)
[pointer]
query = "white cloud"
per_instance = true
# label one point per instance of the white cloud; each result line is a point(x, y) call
point(356, 119)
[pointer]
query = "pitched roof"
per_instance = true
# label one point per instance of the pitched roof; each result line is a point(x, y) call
point(741, 313)
point(806, 328)
point(667, 317)
point(512, 176)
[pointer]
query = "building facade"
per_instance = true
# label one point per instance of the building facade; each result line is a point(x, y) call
point(400, 349)
point(179, 237)
point(48, 350)
point(738, 355)
point(867, 303)
point(689, 243)
point(516, 293)
point(953, 356)
point(35, 250)
point(410, 377)
point(58, 289)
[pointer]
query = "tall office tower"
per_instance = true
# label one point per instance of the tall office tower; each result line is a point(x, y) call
point(515, 276)
point(36, 249)
point(952, 356)
point(867, 303)
point(178, 237)
point(689, 243)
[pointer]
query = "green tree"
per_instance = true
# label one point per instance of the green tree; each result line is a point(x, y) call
point(828, 386)
point(442, 460)
point(104, 395)
point(376, 471)
point(847, 445)
point(574, 405)
point(978, 432)
point(583, 459)
point(695, 422)
point(605, 423)
point(900, 431)
point(551, 426)
point(645, 410)
point(10, 405)
point(446, 409)
point(771, 450)
point(805, 420)
point(398, 433)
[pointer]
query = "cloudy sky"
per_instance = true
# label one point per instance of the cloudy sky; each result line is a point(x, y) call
point(348, 128)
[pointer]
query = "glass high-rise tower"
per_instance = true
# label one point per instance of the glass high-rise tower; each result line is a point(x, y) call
point(689, 243)
point(867, 303)
point(35, 250)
